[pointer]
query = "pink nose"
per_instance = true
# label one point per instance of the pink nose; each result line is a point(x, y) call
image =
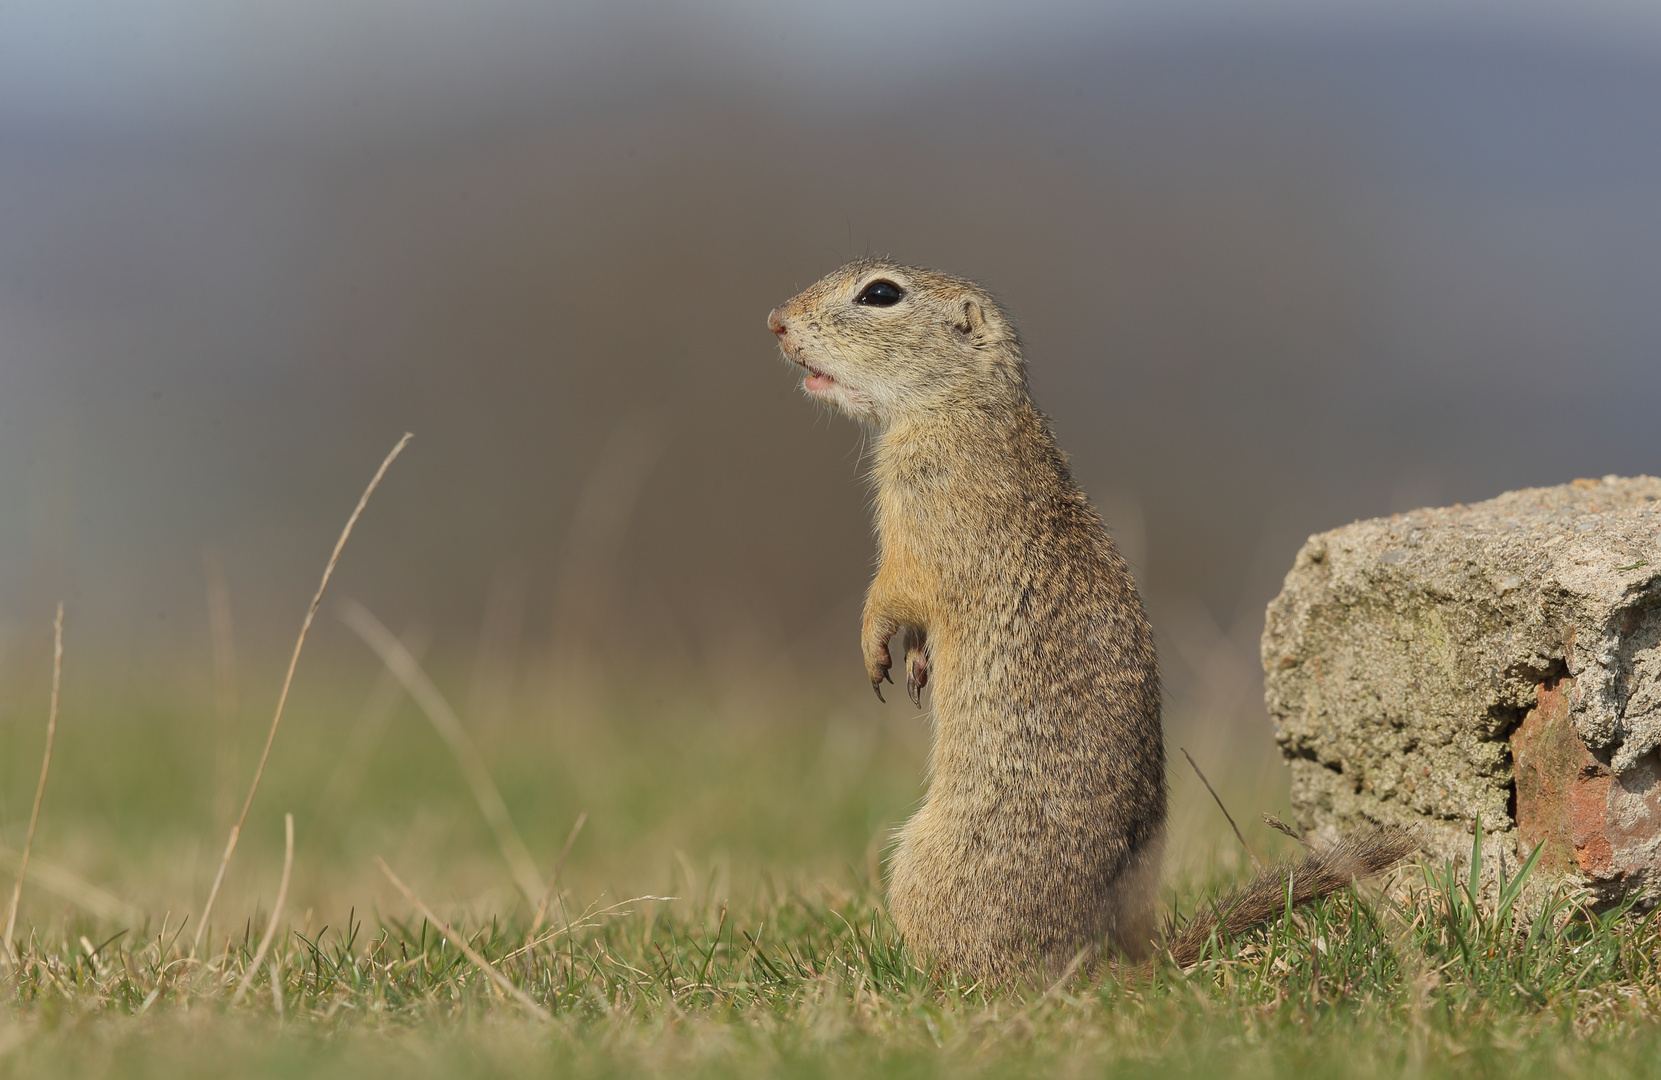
point(776, 323)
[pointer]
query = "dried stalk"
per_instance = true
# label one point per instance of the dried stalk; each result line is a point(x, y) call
point(40, 788)
point(449, 727)
point(282, 698)
point(467, 950)
point(553, 878)
point(276, 913)
point(1219, 800)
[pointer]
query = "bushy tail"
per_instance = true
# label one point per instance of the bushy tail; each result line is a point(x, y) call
point(1324, 871)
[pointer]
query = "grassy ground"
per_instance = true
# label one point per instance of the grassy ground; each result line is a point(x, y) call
point(761, 809)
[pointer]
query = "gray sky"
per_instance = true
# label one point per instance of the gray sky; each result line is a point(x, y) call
point(1277, 267)
point(79, 65)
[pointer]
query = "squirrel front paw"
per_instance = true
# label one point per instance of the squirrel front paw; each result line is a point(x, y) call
point(878, 628)
point(878, 670)
point(877, 663)
point(917, 674)
point(916, 663)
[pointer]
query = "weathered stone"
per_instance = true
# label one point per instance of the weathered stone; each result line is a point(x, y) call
point(1501, 661)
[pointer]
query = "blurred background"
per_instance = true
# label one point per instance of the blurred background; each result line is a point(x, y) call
point(1278, 265)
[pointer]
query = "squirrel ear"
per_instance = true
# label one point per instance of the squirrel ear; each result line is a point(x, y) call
point(973, 318)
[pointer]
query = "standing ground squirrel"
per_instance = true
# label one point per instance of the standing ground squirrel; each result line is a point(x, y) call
point(1044, 822)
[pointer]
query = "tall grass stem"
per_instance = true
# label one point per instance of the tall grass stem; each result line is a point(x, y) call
point(553, 878)
point(288, 679)
point(449, 727)
point(40, 788)
point(467, 950)
point(1252, 855)
point(276, 913)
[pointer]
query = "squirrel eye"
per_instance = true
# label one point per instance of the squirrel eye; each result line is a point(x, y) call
point(880, 293)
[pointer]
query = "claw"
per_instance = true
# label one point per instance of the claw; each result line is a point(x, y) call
point(877, 686)
point(917, 677)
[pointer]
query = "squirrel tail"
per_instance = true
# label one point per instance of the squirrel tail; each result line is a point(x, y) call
point(1327, 869)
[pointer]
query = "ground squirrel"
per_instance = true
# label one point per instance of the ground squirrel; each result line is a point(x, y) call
point(1043, 826)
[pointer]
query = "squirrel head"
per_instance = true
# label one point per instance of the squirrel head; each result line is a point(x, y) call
point(884, 343)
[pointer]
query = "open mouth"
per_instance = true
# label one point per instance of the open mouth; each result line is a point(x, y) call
point(817, 381)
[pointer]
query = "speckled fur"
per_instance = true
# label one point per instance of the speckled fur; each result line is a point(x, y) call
point(1042, 829)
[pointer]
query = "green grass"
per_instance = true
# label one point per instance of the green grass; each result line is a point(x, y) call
point(817, 984)
point(762, 810)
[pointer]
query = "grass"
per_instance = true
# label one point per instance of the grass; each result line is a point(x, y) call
point(719, 914)
point(815, 983)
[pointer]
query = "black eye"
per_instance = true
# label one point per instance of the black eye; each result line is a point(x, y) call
point(880, 293)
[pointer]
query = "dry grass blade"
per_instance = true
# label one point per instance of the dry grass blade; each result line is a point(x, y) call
point(367, 731)
point(277, 989)
point(288, 679)
point(1219, 800)
point(399, 661)
point(67, 886)
point(467, 950)
point(40, 789)
point(1284, 829)
point(599, 522)
point(553, 878)
point(225, 707)
point(1066, 975)
point(589, 919)
point(276, 913)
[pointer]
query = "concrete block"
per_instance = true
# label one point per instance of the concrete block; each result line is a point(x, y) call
point(1500, 660)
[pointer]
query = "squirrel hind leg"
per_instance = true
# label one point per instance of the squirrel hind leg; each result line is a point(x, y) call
point(1132, 927)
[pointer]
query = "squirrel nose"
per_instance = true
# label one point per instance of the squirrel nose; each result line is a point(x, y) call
point(776, 323)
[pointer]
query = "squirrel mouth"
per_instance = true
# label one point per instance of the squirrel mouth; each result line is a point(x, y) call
point(817, 381)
